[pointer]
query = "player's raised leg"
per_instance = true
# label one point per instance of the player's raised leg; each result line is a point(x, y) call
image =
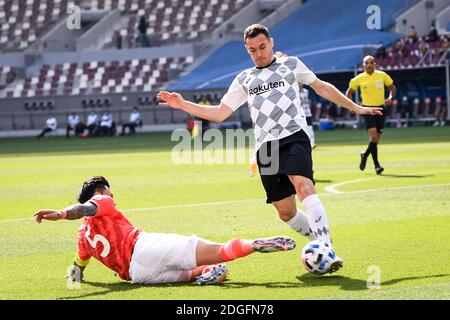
point(211, 253)
point(317, 216)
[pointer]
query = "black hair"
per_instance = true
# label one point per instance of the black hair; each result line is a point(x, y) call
point(254, 30)
point(90, 186)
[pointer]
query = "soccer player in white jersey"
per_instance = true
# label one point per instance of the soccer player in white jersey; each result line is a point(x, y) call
point(306, 105)
point(272, 92)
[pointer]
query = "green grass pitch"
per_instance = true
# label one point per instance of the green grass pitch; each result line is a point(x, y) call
point(396, 225)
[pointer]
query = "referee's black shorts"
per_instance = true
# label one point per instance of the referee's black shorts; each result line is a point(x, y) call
point(375, 121)
point(294, 158)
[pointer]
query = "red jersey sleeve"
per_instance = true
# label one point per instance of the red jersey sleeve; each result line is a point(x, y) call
point(105, 204)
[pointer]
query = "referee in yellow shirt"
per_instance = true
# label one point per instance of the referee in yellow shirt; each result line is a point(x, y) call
point(371, 83)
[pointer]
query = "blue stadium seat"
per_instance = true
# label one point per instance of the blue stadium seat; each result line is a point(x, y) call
point(326, 35)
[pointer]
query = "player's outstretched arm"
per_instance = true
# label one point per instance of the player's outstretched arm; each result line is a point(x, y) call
point(213, 113)
point(71, 213)
point(331, 93)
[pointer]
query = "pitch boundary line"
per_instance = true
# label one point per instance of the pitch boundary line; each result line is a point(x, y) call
point(400, 188)
point(332, 188)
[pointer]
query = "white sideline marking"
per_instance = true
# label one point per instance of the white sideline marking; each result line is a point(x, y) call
point(332, 188)
point(207, 204)
point(400, 188)
point(193, 205)
point(177, 206)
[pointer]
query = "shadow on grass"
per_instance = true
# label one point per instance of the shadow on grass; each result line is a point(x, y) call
point(127, 286)
point(349, 284)
point(309, 280)
point(117, 287)
point(323, 181)
point(407, 176)
point(304, 281)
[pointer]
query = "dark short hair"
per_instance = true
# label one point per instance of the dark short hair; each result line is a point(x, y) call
point(254, 30)
point(90, 186)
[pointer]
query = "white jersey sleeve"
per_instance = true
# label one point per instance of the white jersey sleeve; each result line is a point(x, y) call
point(236, 95)
point(303, 74)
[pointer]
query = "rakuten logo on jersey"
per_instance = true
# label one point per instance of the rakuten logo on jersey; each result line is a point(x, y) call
point(266, 87)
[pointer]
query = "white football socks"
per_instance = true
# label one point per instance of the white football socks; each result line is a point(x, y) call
point(300, 224)
point(317, 218)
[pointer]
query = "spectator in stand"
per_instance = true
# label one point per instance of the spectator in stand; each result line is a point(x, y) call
point(119, 41)
point(50, 125)
point(381, 51)
point(433, 34)
point(400, 48)
point(92, 122)
point(404, 112)
point(135, 121)
point(422, 49)
point(142, 36)
point(440, 113)
point(445, 45)
point(73, 123)
point(412, 35)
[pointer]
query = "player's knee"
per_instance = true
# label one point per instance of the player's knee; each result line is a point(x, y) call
point(284, 212)
point(286, 215)
point(304, 188)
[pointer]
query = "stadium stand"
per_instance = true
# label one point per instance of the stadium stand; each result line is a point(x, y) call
point(404, 53)
point(24, 21)
point(7, 75)
point(168, 21)
point(336, 45)
point(99, 77)
point(38, 76)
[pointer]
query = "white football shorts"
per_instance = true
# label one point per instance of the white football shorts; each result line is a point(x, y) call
point(163, 258)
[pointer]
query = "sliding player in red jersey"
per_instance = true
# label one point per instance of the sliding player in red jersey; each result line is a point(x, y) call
point(140, 257)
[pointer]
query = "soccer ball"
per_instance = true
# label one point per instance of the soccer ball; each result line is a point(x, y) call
point(317, 257)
